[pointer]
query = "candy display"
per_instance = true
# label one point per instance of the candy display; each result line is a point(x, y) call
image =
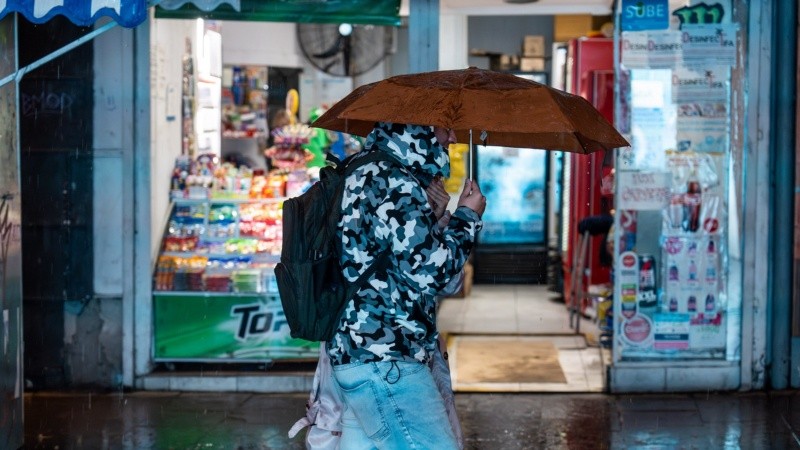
point(220, 246)
point(288, 151)
point(208, 178)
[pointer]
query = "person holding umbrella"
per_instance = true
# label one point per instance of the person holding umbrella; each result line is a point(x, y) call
point(388, 331)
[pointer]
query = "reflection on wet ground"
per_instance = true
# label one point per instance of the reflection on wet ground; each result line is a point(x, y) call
point(168, 420)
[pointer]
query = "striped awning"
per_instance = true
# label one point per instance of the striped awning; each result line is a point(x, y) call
point(128, 13)
point(202, 5)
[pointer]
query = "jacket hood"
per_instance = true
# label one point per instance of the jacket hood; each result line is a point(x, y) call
point(415, 146)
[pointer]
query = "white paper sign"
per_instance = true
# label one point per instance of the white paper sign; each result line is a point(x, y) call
point(708, 84)
point(651, 49)
point(643, 191)
point(705, 45)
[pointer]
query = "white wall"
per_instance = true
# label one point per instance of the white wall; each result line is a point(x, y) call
point(167, 50)
point(113, 106)
point(261, 44)
point(275, 44)
point(453, 37)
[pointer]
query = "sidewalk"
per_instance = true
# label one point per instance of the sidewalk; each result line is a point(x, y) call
point(492, 421)
point(167, 420)
point(531, 329)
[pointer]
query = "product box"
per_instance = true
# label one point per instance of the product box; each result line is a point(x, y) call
point(533, 45)
point(509, 62)
point(571, 26)
point(531, 64)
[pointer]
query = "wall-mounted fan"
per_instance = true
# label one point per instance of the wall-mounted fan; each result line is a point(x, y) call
point(344, 50)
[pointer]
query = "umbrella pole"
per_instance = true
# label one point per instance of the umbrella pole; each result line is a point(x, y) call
point(471, 150)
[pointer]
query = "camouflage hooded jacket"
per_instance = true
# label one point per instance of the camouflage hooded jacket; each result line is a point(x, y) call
point(392, 317)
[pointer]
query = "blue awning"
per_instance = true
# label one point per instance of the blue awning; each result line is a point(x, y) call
point(128, 13)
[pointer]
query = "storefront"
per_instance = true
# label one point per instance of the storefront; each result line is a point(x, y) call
point(216, 200)
point(716, 239)
point(683, 308)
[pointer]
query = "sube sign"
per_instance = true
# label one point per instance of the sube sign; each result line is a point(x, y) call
point(638, 15)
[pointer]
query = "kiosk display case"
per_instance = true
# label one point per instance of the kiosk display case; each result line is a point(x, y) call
point(215, 297)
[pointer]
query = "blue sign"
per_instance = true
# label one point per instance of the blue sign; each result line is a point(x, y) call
point(639, 15)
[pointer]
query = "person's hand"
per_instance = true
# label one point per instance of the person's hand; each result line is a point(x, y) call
point(472, 198)
point(438, 197)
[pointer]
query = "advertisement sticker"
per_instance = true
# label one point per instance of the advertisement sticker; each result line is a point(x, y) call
point(637, 331)
point(671, 331)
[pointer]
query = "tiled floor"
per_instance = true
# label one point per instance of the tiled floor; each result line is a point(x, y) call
point(526, 312)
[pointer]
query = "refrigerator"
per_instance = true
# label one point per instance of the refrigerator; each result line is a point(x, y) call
point(587, 179)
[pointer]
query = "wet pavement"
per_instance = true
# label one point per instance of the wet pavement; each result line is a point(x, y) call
point(172, 420)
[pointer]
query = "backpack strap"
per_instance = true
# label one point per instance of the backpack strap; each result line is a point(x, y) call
point(358, 160)
point(382, 260)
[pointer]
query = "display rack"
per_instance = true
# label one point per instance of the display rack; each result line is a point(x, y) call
point(215, 298)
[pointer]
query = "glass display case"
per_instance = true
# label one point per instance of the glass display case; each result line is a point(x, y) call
point(215, 296)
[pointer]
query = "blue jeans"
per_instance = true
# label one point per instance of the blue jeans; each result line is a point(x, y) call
point(392, 405)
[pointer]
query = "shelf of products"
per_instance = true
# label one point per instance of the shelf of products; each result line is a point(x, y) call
point(221, 246)
point(215, 297)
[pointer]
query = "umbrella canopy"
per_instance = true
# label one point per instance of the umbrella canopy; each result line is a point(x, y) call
point(514, 112)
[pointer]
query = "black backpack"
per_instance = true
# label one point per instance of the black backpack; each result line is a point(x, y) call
point(313, 290)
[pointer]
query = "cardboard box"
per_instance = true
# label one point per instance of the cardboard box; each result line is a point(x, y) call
point(572, 26)
point(533, 45)
point(509, 62)
point(529, 64)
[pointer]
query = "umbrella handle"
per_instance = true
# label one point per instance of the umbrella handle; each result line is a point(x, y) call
point(471, 150)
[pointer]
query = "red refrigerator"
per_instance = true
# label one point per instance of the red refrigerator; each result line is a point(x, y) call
point(587, 189)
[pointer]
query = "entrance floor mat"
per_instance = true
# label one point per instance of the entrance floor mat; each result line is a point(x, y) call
point(523, 364)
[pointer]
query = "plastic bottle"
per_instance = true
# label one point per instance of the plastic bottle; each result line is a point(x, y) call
point(710, 303)
point(673, 304)
point(711, 274)
point(236, 87)
point(675, 211)
point(673, 272)
point(691, 204)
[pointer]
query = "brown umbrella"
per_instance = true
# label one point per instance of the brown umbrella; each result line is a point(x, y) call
point(513, 111)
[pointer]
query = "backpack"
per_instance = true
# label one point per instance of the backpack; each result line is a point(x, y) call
point(312, 287)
